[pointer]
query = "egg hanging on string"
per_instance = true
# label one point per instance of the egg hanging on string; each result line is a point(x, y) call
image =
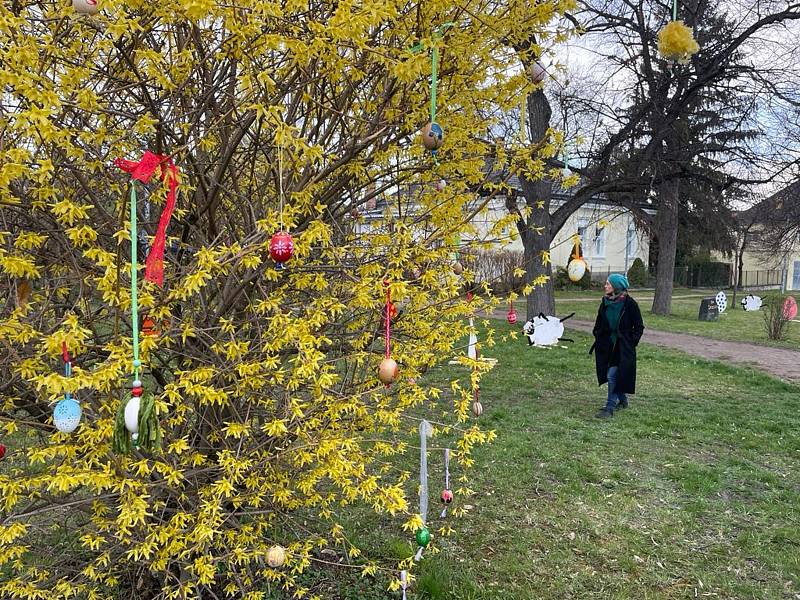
point(440, 185)
point(132, 414)
point(477, 408)
point(2, 451)
point(576, 269)
point(67, 415)
point(281, 247)
point(388, 370)
point(423, 536)
point(276, 556)
point(85, 7)
point(447, 496)
point(537, 72)
point(432, 136)
point(458, 268)
point(511, 317)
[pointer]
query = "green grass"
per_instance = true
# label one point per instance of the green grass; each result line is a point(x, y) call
point(693, 491)
point(734, 324)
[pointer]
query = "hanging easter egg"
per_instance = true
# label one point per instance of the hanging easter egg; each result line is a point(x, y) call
point(423, 536)
point(276, 556)
point(576, 269)
point(132, 414)
point(458, 268)
point(477, 408)
point(388, 370)
point(440, 185)
point(2, 451)
point(85, 7)
point(537, 72)
point(789, 308)
point(67, 415)
point(447, 496)
point(432, 136)
point(511, 316)
point(281, 247)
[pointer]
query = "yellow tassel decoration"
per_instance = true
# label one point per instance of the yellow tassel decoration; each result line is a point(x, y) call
point(675, 42)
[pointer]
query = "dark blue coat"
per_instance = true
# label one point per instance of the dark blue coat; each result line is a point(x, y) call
point(629, 333)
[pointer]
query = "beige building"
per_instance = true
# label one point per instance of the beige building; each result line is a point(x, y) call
point(610, 239)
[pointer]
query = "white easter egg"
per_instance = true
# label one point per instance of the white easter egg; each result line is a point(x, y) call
point(132, 414)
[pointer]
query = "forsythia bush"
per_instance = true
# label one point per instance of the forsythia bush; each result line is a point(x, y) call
point(273, 419)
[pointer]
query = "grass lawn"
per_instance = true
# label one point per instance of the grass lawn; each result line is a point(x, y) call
point(692, 492)
point(734, 324)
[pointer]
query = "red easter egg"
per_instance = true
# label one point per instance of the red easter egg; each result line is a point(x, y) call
point(512, 316)
point(447, 496)
point(2, 451)
point(281, 247)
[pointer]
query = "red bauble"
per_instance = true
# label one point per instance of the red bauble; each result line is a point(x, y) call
point(447, 496)
point(281, 247)
point(2, 451)
point(512, 316)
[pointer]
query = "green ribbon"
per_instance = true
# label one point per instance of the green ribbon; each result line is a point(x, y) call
point(437, 35)
point(134, 285)
point(674, 10)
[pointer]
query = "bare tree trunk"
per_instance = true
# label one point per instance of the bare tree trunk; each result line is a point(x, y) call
point(537, 231)
point(667, 233)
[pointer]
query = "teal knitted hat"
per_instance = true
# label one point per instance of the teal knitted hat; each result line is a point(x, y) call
point(618, 281)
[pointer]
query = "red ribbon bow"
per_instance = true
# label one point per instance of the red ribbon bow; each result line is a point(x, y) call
point(143, 171)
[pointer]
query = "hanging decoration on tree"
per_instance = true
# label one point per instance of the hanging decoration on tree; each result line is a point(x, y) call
point(67, 413)
point(423, 536)
point(85, 7)
point(432, 133)
point(477, 407)
point(136, 423)
point(281, 245)
point(440, 185)
point(511, 317)
point(23, 293)
point(447, 494)
point(576, 268)
point(404, 583)
point(675, 41)
point(2, 451)
point(276, 556)
point(388, 369)
point(473, 341)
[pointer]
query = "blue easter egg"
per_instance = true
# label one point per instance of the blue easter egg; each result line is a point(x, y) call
point(67, 415)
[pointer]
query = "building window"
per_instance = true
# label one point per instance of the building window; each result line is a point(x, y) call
point(631, 243)
point(600, 241)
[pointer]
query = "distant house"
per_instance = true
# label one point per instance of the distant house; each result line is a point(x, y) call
point(610, 238)
point(768, 246)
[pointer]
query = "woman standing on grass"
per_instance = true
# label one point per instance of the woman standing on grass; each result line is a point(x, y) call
point(617, 332)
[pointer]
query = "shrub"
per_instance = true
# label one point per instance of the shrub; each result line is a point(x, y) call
point(775, 320)
point(637, 274)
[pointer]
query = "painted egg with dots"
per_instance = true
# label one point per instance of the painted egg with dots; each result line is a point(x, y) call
point(276, 556)
point(67, 415)
point(281, 247)
point(722, 301)
point(132, 414)
point(447, 496)
point(432, 136)
point(85, 7)
point(511, 317)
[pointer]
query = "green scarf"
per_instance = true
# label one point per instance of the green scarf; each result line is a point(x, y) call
point(614, 308)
